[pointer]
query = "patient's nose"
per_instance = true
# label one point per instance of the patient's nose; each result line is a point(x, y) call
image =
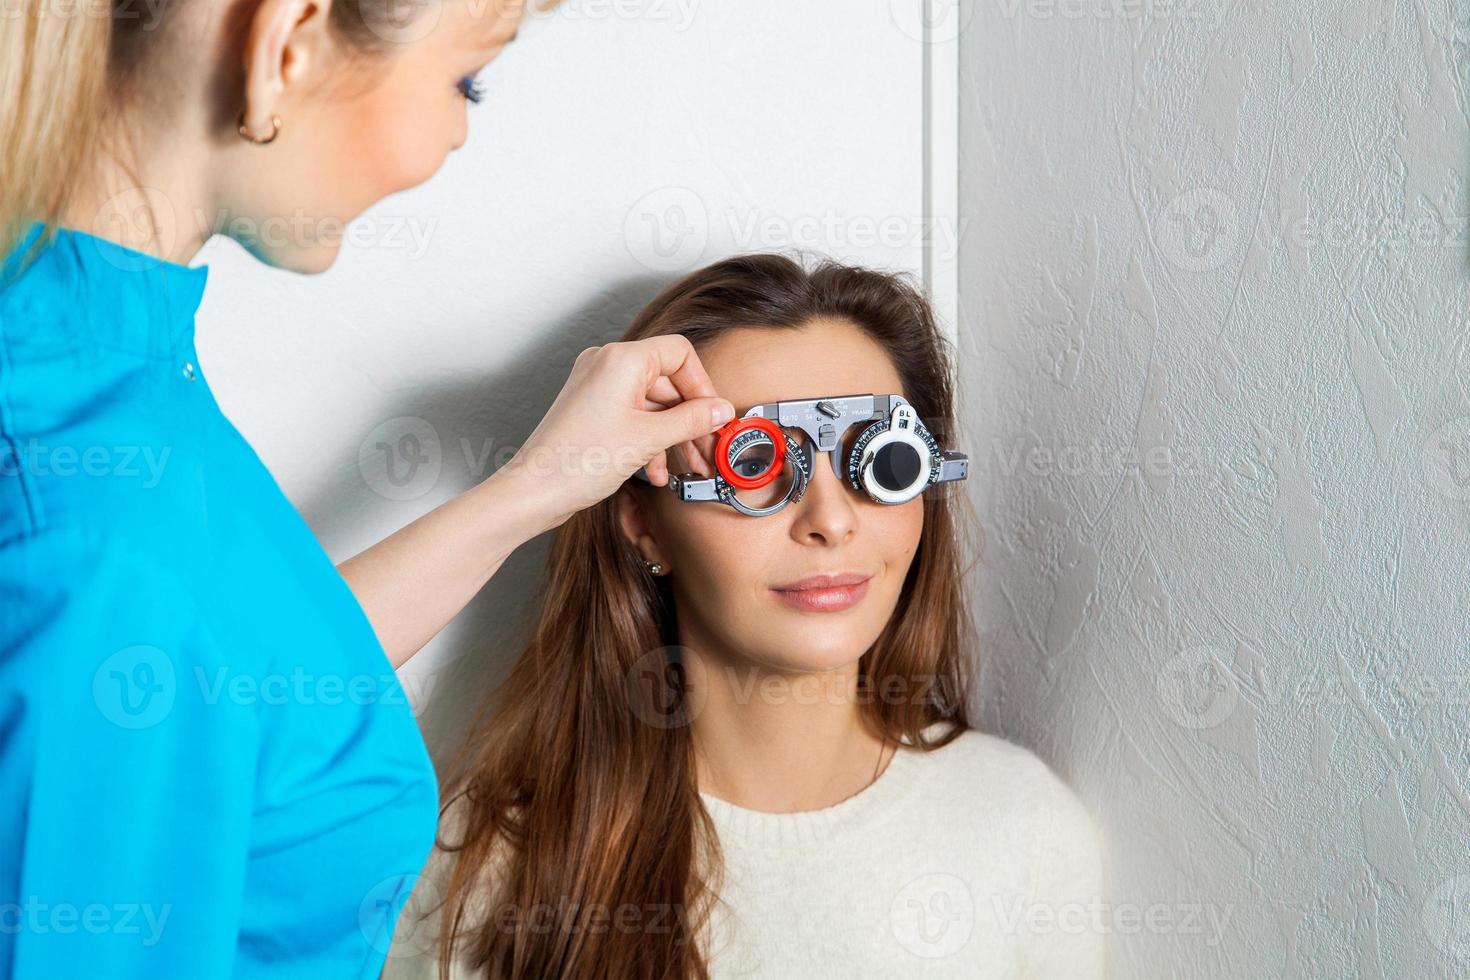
point(827, 514)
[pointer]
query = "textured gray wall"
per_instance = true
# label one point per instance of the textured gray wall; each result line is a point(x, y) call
point(1213, 313)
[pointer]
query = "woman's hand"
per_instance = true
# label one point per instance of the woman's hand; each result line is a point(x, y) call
point(624, 405)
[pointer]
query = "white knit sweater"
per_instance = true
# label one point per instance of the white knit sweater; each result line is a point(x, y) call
point(970, 861)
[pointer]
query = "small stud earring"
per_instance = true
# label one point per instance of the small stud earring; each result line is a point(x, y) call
point(258, 140)
point(654, 568)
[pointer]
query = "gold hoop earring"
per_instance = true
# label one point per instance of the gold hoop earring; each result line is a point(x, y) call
point(258, 141)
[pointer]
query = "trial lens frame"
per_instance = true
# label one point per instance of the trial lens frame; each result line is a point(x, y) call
point(888, 419)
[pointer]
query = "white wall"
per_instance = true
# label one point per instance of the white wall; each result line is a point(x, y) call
point(1229, 239)
point(623, 143)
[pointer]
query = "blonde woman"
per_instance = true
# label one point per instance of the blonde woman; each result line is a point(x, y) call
point(156, 818)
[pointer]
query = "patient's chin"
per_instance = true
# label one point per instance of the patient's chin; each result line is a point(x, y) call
point(799, 655)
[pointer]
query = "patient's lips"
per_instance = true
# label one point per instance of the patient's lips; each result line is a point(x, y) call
point(825, 593)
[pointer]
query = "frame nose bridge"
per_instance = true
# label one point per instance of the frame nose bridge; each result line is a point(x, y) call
point(826, 421)
point(825, 439)
point(839, 465)
point(818, 485)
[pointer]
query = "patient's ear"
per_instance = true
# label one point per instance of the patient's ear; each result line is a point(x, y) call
point(634, 506)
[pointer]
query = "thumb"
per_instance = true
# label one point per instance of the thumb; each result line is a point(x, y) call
point(690, 419)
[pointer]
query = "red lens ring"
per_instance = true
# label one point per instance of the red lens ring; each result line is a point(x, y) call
point(722, 453)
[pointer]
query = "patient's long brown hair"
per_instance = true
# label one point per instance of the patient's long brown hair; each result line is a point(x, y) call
point(583, 849)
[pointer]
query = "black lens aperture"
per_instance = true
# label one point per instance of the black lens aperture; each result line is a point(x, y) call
point(896, 466)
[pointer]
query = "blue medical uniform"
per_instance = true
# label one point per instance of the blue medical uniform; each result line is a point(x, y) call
point(207, 766)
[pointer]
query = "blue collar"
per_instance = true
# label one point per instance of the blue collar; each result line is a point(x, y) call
point(106, 294)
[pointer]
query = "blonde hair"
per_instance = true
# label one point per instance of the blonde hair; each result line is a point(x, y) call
point(56, 60)
point(53, 63)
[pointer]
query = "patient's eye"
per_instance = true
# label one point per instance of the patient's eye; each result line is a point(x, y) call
point(751, 453)
point(753, 464)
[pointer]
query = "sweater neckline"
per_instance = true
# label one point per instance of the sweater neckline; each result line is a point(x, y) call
point(807, 826)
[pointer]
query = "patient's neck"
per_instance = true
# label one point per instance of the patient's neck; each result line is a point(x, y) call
point(779, 742)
